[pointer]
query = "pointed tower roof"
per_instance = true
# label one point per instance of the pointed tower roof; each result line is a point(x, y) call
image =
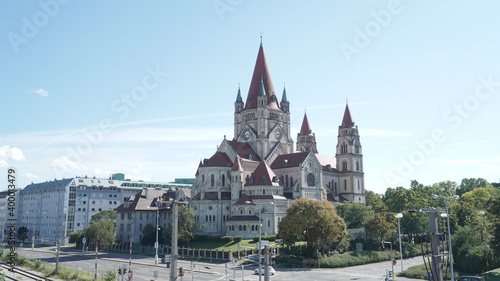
point(283, 97)
point(262, 91)
point(263, 175)
point(347, 120)
point(238, 96)
point(237, 164)
point(305, 129)
point(261, 76)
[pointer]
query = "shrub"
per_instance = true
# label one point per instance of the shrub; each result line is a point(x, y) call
point(237, 239)
point(226, 239)
point(265, 237)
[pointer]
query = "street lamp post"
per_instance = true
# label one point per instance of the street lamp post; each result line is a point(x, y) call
point(450, 251)
point(399, 216)
point(392, 258)
point(260, 240)
point(156, 243)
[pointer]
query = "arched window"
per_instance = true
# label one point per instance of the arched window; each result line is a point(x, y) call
point(357, 165)
point(286, 178)
point(212, 180)
point(240, 227)
point(344, 166)
point(241, 212)
point(356, 148)
point(291, 181)
point(335, 187)
point(253, 228)
point(206, 218)
point(345, 184)
point(223, 180)
point(250, 157)
point(202, 178)
point(263, 179)
point(250, 211)
point(244, 228)
point(263, 191)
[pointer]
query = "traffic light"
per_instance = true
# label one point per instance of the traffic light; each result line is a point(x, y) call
point(119, 271)
point(390, 273)
point(394, 262)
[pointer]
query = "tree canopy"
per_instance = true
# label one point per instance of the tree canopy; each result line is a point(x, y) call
point(314, 221)
point(354, 215)
point(103, 215)
point(187, 226)
point(379, 226)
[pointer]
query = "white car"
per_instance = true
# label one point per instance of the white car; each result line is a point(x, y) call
point(263, 270)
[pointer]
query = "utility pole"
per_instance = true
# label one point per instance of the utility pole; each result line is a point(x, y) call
point(173, 263)
point(436, 254)
point(266, 263)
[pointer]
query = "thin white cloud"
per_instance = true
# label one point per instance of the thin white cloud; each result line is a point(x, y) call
point(41, 92)
point(11, 153)
point(68, 166)
point(31, 176)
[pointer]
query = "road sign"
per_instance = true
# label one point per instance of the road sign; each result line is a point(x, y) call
point(264, 243)
point(84, 240)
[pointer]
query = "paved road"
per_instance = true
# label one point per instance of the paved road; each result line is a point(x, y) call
point(143, 267)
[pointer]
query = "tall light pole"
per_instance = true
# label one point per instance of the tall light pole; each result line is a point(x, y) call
point(450, 251)
point(173, 261)
point(399, 216)
point(156, 243)
point(260, 236)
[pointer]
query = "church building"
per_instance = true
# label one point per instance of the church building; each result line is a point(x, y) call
point(258, 173)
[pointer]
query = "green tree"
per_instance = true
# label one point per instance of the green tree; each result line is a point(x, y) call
point(373, 200)
point(187, 226)
point(22, 233)
point(403, 199)
point(102, 231)
point(104, 215)
point(315, 221)
point(354, 215)
point(472, 183)
point(148, 235)
point(379, 227)
point(494, 209)
point(76, 237)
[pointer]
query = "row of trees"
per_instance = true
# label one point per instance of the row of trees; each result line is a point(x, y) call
point(102, 229)
point(474, 219)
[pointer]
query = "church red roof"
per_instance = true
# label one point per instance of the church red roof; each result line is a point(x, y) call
point(237, 165)
point(261, 73)
point(263, 175)
point(244, 150)
point(305, 129)
point(347, 120)
point(289, 160)
point(219, 159)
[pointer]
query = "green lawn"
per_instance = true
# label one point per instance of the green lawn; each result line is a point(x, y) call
point(245, 244)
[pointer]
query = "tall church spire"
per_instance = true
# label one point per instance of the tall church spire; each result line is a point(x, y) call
point(306, 140)
point(261, 75)
point(305, 129)
point(347, 120)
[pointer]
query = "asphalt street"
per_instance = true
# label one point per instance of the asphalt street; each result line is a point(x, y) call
point(143, 268)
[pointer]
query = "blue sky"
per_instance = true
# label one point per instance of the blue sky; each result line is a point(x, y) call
point(147, 87)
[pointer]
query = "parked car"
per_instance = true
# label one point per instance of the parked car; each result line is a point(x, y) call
point(263, 270)
point(470, 278)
